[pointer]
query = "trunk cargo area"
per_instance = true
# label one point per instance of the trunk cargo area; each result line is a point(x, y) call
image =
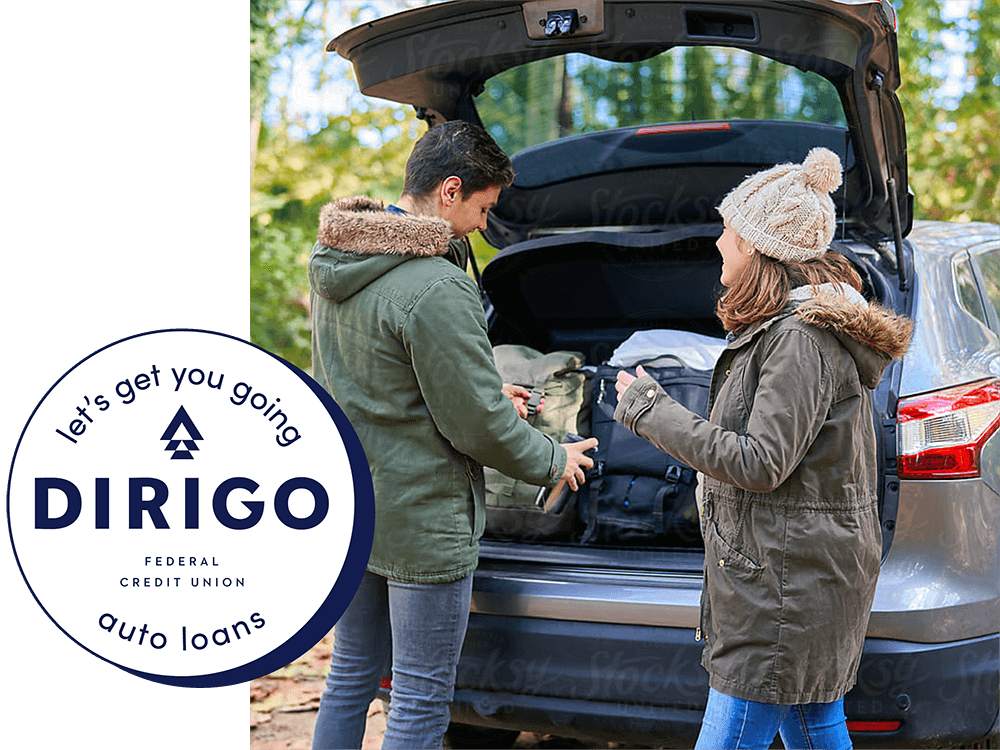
point(588, 292)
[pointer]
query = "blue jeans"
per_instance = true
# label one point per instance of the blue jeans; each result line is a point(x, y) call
point(417, 630)
point(732, 723)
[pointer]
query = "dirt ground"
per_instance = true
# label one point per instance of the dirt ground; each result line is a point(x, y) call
point(283, 708)
point(283, 704)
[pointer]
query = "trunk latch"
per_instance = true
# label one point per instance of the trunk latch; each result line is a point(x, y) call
point(561, 22)
point(555, 19)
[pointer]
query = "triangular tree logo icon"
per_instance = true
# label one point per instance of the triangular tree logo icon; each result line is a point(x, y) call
point(181, 432)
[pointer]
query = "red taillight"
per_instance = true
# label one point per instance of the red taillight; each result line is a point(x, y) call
point(873, 726)
point(941, 434)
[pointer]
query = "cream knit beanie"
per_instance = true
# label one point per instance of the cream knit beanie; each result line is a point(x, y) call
point(786, 211)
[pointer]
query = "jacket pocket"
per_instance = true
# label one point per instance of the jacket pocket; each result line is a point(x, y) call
point(723, 554)
point(477, 509)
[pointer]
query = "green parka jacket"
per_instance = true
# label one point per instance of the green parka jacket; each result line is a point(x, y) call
point(790, 518)
point(399, 341)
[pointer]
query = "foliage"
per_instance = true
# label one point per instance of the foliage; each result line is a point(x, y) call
point(263, 48)
point(293, 178)
point(279, 301)
point(954, 159)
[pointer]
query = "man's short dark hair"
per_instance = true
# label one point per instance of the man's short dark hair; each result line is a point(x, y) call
point(461, 149)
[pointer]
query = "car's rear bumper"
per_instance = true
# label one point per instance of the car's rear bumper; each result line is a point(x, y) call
point(644, 685)
point(943, 694)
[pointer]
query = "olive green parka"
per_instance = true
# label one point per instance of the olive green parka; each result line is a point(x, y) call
point(399, 340)
point(790, 518)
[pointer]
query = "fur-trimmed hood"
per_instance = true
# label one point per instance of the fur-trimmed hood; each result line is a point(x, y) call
point(359, 241)
point(874, 335)
point(362, 226)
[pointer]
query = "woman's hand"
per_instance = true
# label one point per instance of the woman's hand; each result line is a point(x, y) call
point(625, 380)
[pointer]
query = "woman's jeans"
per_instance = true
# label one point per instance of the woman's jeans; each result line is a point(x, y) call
point(417, 630)
point(731, 723)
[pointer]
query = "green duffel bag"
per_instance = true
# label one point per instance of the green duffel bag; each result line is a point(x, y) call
point(516, 509)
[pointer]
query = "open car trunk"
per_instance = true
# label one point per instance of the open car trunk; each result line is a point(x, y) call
point(588, 292)
point(443, 59)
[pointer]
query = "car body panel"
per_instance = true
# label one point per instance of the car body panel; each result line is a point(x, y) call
point(949, 345)
point(939, 583)
point(644, 686)
point(588, 594)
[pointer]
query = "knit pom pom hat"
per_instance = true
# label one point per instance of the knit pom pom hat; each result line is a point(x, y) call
point(786, 211)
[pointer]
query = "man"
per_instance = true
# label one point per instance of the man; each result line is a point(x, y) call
point(399, 341)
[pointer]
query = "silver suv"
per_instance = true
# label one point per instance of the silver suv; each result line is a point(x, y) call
point(627, 122)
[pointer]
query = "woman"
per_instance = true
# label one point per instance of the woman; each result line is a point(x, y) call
point(790, 518)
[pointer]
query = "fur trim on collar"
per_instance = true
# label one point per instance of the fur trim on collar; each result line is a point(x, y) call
point(362, 226)
point(875, 326)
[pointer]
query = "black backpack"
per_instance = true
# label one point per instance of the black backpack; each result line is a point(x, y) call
point(636, 494)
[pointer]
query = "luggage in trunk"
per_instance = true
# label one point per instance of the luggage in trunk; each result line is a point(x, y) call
point(588, 292)
point(636, 493)
point(559, 407)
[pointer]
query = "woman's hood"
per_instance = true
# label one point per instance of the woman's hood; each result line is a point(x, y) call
point(874, 335)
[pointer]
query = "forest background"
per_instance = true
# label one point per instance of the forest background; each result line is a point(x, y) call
point(314, 137)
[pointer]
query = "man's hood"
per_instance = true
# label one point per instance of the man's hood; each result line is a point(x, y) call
point(359, 241)
point(872, 334)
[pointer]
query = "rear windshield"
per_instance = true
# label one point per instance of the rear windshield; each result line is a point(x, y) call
point(577, 93)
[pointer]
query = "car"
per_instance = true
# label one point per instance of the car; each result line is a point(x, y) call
point(627, 122)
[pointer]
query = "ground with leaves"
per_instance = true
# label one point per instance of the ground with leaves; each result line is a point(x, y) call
point(283, 709)
point(283, 704)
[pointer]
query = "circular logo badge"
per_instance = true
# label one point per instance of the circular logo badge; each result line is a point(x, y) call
point(190, 508)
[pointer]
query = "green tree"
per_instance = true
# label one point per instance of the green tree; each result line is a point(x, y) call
point(977, 150)
point(279, 297)
point(953, 154)
point(293, 179)
point(263, 49)
point(298, 167)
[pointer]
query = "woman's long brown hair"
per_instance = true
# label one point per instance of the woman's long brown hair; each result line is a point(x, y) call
point(762, 289)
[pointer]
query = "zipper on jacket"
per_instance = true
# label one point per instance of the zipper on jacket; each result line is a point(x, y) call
point(704, 516)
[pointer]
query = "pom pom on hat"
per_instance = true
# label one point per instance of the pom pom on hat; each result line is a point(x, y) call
point(821, 170)
point(786, 211)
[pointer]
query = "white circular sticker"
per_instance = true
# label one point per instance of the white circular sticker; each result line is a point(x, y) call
point(190, 508)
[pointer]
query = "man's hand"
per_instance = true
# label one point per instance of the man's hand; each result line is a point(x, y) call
point(519, 396)
point(577, 462)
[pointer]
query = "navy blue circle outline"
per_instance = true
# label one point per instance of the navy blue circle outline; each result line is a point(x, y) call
point(346, 585)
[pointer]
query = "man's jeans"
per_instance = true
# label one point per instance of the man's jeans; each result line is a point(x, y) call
point(417, 629)
point(737, 723)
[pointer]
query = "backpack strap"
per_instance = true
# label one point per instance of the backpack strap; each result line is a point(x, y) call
point(536, 399)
